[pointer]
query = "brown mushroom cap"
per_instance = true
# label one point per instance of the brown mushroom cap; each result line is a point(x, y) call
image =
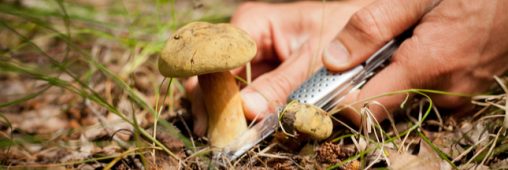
point(201, 48)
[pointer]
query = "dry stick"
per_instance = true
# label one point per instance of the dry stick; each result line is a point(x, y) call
point(357, 145)
point(402, 143)
point(366, 124)
point(273, 156)
point(389, 116)
point(488, 97)
point(480, 112)
point(248, 73)
point(416, 121)
point(371, 115)
point(204, 150)
point(491, 117)
point(345, 125)
point(372, 126)
point(240, 158)
point(505, 89)
point(478, 153)
point(259, 160)
point(438, 115)
point(505, 107)
point(487, 104)
point(254, 120)
point(498, 106)
point(382, 137)
point(493, 146)
point(188, 131)
point(420, 114)
point(261, 152)
point(468, 150)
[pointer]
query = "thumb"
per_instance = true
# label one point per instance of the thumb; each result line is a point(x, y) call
point(271, 90)
point(370, 28)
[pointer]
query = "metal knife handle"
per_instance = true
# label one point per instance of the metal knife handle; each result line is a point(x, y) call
point(325, 89)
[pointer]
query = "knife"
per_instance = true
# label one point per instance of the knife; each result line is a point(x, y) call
point(323, 89)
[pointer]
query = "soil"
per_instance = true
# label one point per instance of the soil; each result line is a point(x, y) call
point(331, 153)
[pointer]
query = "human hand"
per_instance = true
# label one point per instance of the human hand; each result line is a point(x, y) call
point(457, 46)
point(289, 38)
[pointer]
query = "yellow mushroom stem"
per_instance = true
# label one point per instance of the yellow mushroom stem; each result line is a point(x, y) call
point(223, 103)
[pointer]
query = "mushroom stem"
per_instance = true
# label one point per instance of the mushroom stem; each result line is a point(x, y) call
point(223, 103)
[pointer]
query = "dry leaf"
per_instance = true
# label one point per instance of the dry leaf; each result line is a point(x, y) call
point(426, 159)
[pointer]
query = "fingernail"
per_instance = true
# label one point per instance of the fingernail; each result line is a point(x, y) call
point(255, 105)
point(336, 54)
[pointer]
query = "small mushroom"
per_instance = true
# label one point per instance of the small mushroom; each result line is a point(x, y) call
point(210, 51)
point(307, 119)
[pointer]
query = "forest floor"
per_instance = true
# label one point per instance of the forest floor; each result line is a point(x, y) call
point(80, 88)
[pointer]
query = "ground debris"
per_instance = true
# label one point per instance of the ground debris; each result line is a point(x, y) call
point(329, 152)
point(66, 124)
point(173, 144)
point(425, 159)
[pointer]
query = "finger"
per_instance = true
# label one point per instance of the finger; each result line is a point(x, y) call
point(392, 78)
point(270, 90)
point(197, 106)
point(370, 28)
point(259, 28)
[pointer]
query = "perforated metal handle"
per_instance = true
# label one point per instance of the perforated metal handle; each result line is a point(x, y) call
point(325, 89)
point(320, 87)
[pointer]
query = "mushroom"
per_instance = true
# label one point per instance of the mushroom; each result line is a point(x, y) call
point(210, 51)
point(306, 119)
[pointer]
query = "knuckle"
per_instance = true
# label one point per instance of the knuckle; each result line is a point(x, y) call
point(425, 66)
point(364, 23)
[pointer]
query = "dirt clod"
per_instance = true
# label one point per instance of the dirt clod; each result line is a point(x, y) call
point(331, 153)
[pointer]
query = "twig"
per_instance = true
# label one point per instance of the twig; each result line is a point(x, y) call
point(492, 147)
point(188, 131)
point(505, 89)
point(469, 150)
